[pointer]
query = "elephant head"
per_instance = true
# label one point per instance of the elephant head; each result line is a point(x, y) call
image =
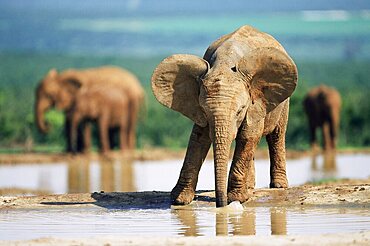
point(55, 90)
point(224, 94)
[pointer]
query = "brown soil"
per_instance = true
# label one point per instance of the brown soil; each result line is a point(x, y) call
point(341, 193)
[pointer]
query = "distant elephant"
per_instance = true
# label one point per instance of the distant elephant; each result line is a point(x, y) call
point(107, 106)
point(60, 89)
point(322, 105)
point(240, 90)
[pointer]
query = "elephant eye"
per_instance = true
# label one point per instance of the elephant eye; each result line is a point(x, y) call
point(234, 69)
point(240, 110)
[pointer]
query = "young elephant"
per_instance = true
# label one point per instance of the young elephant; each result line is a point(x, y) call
point(322, 105)
point(240, 90)
point(105, 104)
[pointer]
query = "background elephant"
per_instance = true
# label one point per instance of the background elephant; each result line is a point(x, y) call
point(59, 90)
point(240, 90)
point(322, 105)
point(104, 104)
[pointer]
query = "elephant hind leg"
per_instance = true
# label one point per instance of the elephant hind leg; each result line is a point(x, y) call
point(123, 138)
point(326, 139)
point(276, 144)
point(103, 133)
point(333, 134)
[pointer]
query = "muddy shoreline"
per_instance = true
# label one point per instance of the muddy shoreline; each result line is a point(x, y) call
point(142, 155)
point(346, 193)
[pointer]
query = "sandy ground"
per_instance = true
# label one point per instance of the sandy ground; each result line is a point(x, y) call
point(344, 193)
point(361, 238)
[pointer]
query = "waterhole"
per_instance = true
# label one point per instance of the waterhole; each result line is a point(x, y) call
point(200, 221)
point(121, 175)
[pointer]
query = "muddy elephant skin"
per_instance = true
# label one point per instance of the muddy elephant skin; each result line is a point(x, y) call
point(322, 105)
point(239, 90)
point(61, 91)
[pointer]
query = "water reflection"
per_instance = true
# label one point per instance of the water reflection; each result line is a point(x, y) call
point(114, 175)
point(230, 223)
point(188, 220)
point(278, 221)
point(327, 169)
point(79, 176)
point(122, 174)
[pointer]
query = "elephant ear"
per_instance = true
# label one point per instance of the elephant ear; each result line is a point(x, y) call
point(175, 84)
point(72, 81)
point(272, 76)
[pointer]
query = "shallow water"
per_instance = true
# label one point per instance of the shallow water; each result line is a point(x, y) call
point(193, 220)
point(201, 221)
point(85, 176)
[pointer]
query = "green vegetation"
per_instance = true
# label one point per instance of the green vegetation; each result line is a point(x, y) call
point(20, 74)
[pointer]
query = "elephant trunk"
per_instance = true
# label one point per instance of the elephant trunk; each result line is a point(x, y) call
point(221, 147)
point(42, 105)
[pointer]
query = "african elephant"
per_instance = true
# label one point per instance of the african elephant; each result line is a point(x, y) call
point(107, 106)
point(239, 90)
point(322, 105)
point(60, 89)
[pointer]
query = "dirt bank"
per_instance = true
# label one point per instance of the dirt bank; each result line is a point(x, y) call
point(341, 193)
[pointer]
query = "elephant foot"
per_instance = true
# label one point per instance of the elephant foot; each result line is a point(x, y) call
point(279, 184)
point(238, 195)
point(182, 195)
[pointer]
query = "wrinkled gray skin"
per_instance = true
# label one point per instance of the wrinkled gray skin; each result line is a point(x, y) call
point(240, 90)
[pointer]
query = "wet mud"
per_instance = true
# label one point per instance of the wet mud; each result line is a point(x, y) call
point(352, 193)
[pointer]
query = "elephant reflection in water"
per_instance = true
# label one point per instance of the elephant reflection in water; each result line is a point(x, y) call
point(243, 223)
point(115, 175)
point(188, 218)
point(328, 168)
point(79, 176)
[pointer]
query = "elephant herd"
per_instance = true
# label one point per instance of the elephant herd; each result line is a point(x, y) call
point(109, 96)
point(239, 91)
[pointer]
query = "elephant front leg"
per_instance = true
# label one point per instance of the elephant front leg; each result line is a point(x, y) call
point(242, 171)
point(276, 143)
point(199, 144)
point(67, 132)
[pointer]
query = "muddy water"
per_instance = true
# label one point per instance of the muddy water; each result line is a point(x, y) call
point(119, 175)
point(94, 222)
